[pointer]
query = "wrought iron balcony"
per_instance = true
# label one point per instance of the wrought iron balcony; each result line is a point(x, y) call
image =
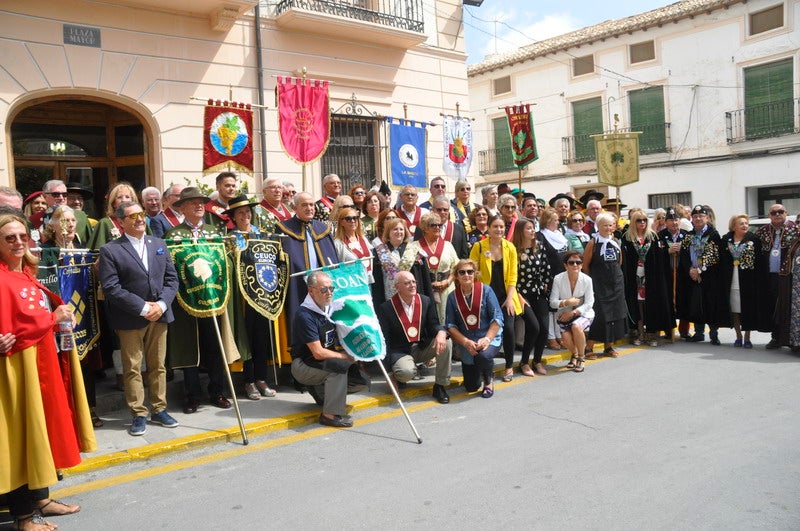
point(763, 121)
point(396, 22)
point(499, 160)
point(580, 148)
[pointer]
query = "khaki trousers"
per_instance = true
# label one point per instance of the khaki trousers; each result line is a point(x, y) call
point(149, 343)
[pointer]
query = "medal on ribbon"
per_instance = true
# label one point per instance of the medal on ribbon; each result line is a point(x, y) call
point(470, 313)
point(411, 327)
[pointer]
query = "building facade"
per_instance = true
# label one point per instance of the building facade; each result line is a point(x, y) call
point(111, 91)
point(712, 85)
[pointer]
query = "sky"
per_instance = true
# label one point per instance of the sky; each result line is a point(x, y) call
point(528, 21)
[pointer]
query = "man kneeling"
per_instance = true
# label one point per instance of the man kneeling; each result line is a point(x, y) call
point(317, 358)
point(414, 335)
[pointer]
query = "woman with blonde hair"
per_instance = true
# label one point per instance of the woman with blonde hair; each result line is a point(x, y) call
point(349, 239)
point(109, 227)
point(741, 274)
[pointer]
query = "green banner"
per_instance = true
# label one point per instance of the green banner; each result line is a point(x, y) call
point(352, 312)
point(203, 273)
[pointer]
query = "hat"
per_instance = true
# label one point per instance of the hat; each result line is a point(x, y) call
point(31, 197)
point(503, 188)
point(192, 192)
point(238, 202)
point(590, 194)
point(541, 201)
point(384, 188)
point(80, 188)
point(671, 214)
point(699, 209)
point(614, 202)
point(564, 196)
point(527, 195)
point(517, 191)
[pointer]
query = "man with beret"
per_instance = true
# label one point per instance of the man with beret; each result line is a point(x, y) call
point(701, 297)
point(673, 237)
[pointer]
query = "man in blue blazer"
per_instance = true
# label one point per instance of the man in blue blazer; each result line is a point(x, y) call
point(139, 282)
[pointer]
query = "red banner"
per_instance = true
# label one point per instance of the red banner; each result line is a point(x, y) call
point(304, 118)
point(227, 137)
point(523, 141)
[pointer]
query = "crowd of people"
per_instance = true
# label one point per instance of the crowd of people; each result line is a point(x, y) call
point(451, 280)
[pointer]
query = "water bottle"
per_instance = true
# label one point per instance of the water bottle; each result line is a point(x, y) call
point(66, 341)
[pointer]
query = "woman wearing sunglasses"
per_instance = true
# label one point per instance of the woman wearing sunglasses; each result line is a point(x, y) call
point(645, 266)
point(572, 297)
point(474, 319)
point(349, 239)
point(602, 260)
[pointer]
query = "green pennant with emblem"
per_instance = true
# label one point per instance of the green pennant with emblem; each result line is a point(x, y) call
point(203, 273)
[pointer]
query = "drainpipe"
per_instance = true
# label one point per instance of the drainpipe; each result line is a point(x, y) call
point(260, 86)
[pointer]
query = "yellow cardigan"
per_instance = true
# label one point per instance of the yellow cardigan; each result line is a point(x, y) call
point(479, 254)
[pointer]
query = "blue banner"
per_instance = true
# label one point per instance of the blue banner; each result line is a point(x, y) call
point(408, 160)
point(76, 282)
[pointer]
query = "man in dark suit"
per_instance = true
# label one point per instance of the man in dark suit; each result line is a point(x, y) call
point(414, 335)
point(140, 283)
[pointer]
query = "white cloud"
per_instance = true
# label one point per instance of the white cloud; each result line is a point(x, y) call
point(529, 31)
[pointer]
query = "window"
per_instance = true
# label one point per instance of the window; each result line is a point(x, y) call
point(647, 116)
point(501, 85)
point(353, 150)
point(668, 200)
point(504, 158)
point(767, 19)
point(641, 52)
point(587, 120)
point(768, 105)
point(583, 65)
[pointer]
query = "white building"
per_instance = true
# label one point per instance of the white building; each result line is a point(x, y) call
point(712, 84)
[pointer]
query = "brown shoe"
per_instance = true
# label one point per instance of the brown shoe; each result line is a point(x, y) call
point(265, 389)
point(538, 368)
point(526, 370)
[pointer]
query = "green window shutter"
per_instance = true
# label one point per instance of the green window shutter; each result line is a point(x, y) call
point(587, 120)
point(504, 158)
point(647, 116)
point(768, 105)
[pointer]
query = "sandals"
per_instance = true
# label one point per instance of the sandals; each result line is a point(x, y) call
point(488, 392)
point(578, 366)
point(34, 518)
point(97, 422)
point(509, 375)
point(610, 352)
point(41, 509)
point(251, 392)
point(571, 364)
point(264, 389)
point(588, 353)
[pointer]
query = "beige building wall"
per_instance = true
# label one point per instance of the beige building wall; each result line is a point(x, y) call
point(153, 62)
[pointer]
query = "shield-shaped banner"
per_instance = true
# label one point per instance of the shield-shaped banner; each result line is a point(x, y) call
point(262, 271)
point(353, 314)
point(523, 139)
point(203, 290)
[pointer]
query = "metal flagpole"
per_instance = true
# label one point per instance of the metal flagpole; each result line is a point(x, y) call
point(399, 402)
point(230, 382)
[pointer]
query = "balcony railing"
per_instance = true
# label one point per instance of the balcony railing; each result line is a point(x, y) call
point(401, 14)
point(763, 121)
point(497, 160)
point(580, 148)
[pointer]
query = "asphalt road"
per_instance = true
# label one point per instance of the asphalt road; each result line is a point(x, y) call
point(677, 437)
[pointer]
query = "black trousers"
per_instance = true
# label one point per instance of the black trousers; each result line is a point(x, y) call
point(22, 500)
point(540, 308)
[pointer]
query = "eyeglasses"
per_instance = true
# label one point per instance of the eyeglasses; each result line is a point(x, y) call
point(466, 189)
point(510, 207)
point(57, 194)
point(440, 186)
point(776, 212)
point(326, 289)
point(350, 218)
point(465, 272)
point(577, 220)
point(574, 262)
point(22, 237)
point(434, 225)
point(481, 213)
point(135, 216)
point(359, 192)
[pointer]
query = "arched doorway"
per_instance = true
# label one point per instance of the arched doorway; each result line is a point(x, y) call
point(79, 140)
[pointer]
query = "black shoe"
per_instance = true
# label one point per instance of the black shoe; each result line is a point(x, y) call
point(697, 338)
point(190, 405)
point(440, 394)
point(715, 339)
point(338, 421)
point(313, 392)
point(772, 345)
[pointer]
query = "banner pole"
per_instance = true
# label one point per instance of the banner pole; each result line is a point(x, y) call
point(272, 349)
point(399, 402)
point(230, 381)
point(332, 266)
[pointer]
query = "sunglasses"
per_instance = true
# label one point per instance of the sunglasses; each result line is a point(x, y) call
point(11, 238)
point(467, 189)
point(641, 221)
point(510, 207)
point(135, 216)
point(57, 194)
point(326, 290)
point(359, 192)
point(776, 212)
point(574, 262)
point(464, 272)
point(350, 218)
point(435, 226)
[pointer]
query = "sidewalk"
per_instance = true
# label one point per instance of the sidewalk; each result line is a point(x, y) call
point(211, 425)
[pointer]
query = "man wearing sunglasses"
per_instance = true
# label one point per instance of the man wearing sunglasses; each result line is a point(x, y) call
point(774, 250)
point(438, 189)
point(140, 283)
point(55, 193)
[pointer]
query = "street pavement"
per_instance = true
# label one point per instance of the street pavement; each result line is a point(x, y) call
point(682, 436)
